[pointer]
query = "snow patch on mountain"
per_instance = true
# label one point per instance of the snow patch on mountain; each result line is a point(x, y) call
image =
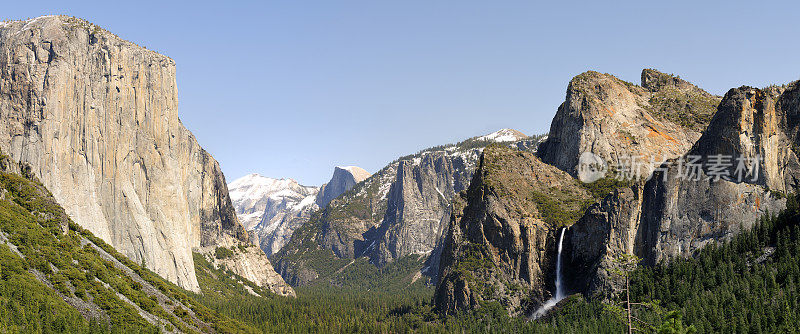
point(252, 193)
point(504, 135)
point(270, 209)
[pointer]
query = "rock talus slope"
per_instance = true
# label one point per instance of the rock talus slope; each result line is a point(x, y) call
point(97, 119)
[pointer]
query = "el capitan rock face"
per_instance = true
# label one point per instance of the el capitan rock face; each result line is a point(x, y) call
point(97, 119)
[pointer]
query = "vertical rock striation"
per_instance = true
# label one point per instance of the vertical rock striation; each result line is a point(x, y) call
point(670, 214)
point(402, 209)
point(419, 206)
point(607, 229)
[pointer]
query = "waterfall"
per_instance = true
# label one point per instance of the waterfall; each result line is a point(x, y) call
point(559, 283)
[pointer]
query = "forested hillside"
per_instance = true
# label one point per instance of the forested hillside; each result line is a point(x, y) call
point(749, 285)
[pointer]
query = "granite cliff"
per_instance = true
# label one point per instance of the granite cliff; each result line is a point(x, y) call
point(343, 179)
point(96, 117)
point(62, 271)
point(271, 209)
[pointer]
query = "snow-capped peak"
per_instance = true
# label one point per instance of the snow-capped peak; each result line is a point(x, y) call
point(256, 186)
point(503, 135)
point(253, 194)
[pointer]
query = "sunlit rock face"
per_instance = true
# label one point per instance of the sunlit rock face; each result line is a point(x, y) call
point(614, 120)
point(498, 245)
point(401, 210)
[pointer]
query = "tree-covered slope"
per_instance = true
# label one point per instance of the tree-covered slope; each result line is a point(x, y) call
point(748, 285)
point(58, 277)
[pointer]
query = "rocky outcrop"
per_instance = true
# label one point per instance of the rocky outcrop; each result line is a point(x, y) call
point(343, 179)
point(34, 226)
point(250, 263)
point(419, 199)
point(97, 119)
point(682, 207)
point(271, 209)
point(530, 144)
point(502, 236)
point(758, 124)
point(614, 119)
point(271, 237)
point(757, 129)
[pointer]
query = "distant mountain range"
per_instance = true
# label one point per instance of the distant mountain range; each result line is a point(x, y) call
point(271, 209)
point(385, 216)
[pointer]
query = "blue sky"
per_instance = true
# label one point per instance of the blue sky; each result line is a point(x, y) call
point(294, 88)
